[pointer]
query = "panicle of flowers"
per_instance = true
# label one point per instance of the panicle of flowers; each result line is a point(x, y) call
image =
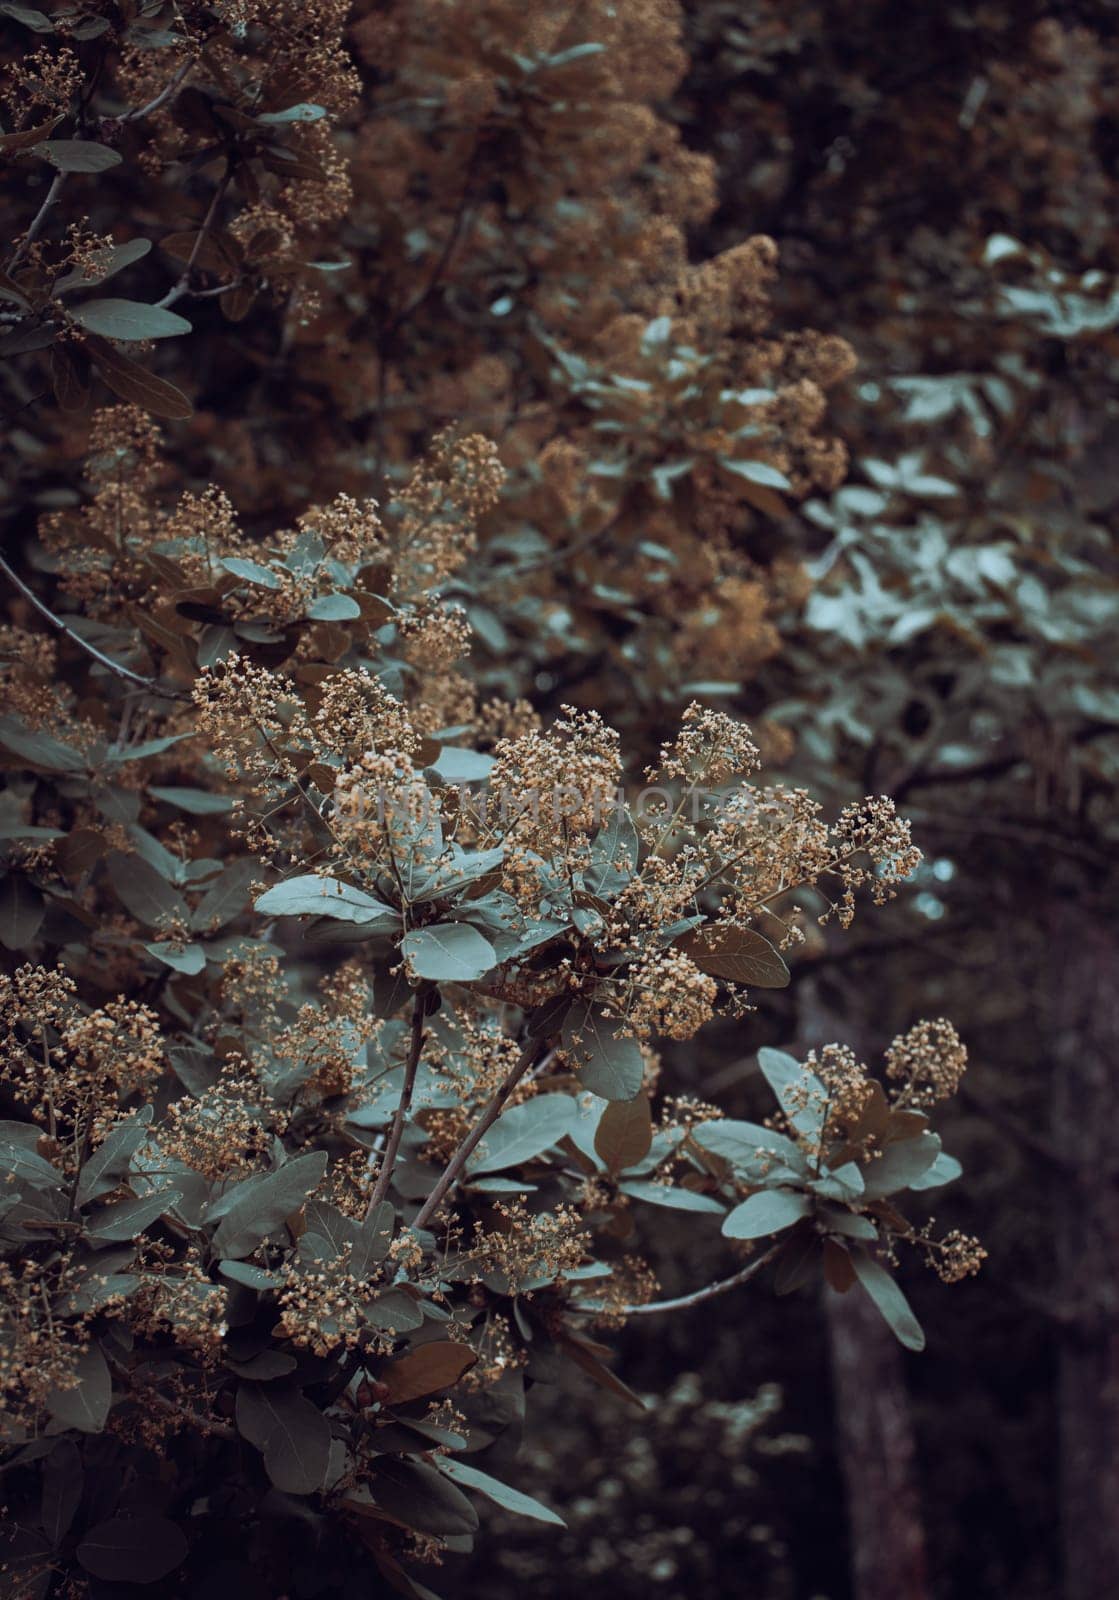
point(38, 1352)
point(351, 530)
point(710, 748)
point(526, 1245)
point(955, 1257)
point(872, 828)
point(846, 1087)
point(459, 480)
point(226, 1131)
point(178, 1296)
point(321, 1305)
point(562, 781)
point(929, 1061)
point(667, 994)
point(243, 711)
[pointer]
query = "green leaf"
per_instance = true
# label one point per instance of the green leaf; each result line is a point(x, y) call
point(140, 1549)
point(848, 1223)
point(189, 958)
point(103, 264)
point(759, 472)
point(22, 909)
point(610, 1067)
point(85, 1405)
point(39, 749)
point(613, 856)
point(500, 1493)
point(802, 1096)
point(292, 1434)
point(129, 320)
point(29, 16)
point(525, 1131)
point(738, 954)
point(304, 112)
point(77, 155)
point(422, 1497)
point(251, 571)
point(899, 1165)
point(334, 608)
point(311, 896)
point(455, 765)
point(945, 1169)
point(129, 1218)
point(768, 1211)
point(225, 896)
point(449, 952)
point(671, 1196)
point(197, 802)
point(893, 1305)
point(143, 891)
point(748, 1147)
point(111, 1158)
point(463, 868)
point(259, 1206)
point(27, 1166)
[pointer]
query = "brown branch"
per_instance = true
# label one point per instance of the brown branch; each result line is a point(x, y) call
point(473, 1139)
point(182, 287)
point(698, 1297)
point(106, 661)
point(38, 221)
point(396, 1133)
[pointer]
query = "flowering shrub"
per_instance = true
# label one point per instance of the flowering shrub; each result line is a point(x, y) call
point(333, 1105)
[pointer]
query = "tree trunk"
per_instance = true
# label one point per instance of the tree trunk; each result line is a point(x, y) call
point(1084, 1050)
point(873, 1425)
point(876, 1453)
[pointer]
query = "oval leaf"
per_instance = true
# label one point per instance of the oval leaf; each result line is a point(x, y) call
point(311, 896)
point(129, 320)
point(893, 1305)
point(624, 1133)
point(525, 1131)
point(426, 1370)
point(739, 955)
point(768, 1211)
point(610, 1067)
point(500, 1493)
point(450, 952)
point(133, 1549)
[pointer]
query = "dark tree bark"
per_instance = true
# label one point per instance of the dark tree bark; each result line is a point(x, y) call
point(873, 1422)
point(876, 1452)
point(1084, 1049)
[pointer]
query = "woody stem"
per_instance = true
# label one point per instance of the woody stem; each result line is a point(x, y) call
point(466, 1149)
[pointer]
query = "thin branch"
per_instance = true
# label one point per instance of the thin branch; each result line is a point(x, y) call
point(164, 95)
point(183, 285)
point(396, 1132)
point(473, 1139)
point(106, 661)
point(699, 1296)
point(38, 221)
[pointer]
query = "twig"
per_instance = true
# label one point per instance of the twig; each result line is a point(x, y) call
point(38, 220)
point(183, 285)
point(106, 661)
point(699, 1296)
point(396, 1133)
point(164, 95)
point(473, 1139)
